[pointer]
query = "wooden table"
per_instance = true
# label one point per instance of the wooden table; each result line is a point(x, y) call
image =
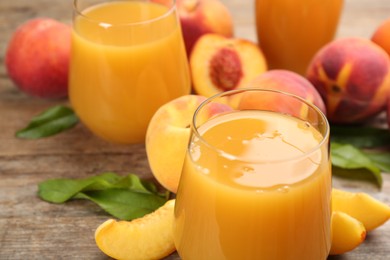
point(34, 229)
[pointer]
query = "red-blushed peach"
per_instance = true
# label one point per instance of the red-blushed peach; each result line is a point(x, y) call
point(198, 17)
point(168, 135)
point(37, 57)
point(353, 77)
point(286, 81)
point(381, 35)
point(219, 64)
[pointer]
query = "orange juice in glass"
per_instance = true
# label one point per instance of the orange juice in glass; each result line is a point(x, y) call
point(290, 32)
point(128, 59)
point(256, 182)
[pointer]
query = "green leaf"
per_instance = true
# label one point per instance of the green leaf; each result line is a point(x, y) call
point(123, 203)
point(347, 156)
point(381, 160)
point(61, 190)
point(361, 137)
point(124, 197)
point(361, 174)
point(50, 122)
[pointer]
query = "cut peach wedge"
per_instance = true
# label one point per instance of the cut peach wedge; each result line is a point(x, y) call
point(347, 233)
point(219, 63)
point(146, 238)
point(365, 208)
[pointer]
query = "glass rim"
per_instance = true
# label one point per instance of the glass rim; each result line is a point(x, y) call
point(171, 9)
point(222, 153)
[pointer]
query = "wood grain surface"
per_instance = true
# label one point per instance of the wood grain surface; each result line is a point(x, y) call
point(34, 229)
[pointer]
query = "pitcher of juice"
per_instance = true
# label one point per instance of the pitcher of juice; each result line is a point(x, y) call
point(128, 58)
point(256, 182)
point(290, 32)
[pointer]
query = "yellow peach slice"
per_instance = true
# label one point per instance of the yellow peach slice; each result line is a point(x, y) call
point(146, 238)
point(347, 233)
point(368, 210)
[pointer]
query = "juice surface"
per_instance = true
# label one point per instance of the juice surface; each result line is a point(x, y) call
point(121, 74)
point(290, 32)
point(260, 198)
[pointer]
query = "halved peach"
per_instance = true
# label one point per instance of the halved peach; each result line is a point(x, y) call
point(219, 63)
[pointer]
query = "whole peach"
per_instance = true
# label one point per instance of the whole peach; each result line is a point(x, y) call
point(198, 17)
point(37, 57)
point(168, 135)
point(290, 82)
point(381, 35)
point(353, 77)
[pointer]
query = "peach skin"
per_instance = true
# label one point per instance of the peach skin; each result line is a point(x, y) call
point(167, 137)
point(353, 77)
point(381, 35)
point(198, 17)
point(290, 82)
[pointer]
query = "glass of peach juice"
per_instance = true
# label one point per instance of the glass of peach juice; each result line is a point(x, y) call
point(256, 181)
point(290, 32)
point(128, 58)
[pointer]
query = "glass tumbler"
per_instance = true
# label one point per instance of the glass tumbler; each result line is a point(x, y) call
point(128, 58)
point(256, 181)
point(290, 32)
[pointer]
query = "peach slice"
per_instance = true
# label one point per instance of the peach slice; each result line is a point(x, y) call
point(219, 63)
point(368, 210)
point(347, 233)
point(146, 238)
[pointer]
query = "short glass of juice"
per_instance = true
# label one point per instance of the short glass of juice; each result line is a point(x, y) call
point(256, 181)
point(128, 58)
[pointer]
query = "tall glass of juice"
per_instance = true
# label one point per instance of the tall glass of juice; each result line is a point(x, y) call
point(128, 58)
point(256, 181)
point(290, 32)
